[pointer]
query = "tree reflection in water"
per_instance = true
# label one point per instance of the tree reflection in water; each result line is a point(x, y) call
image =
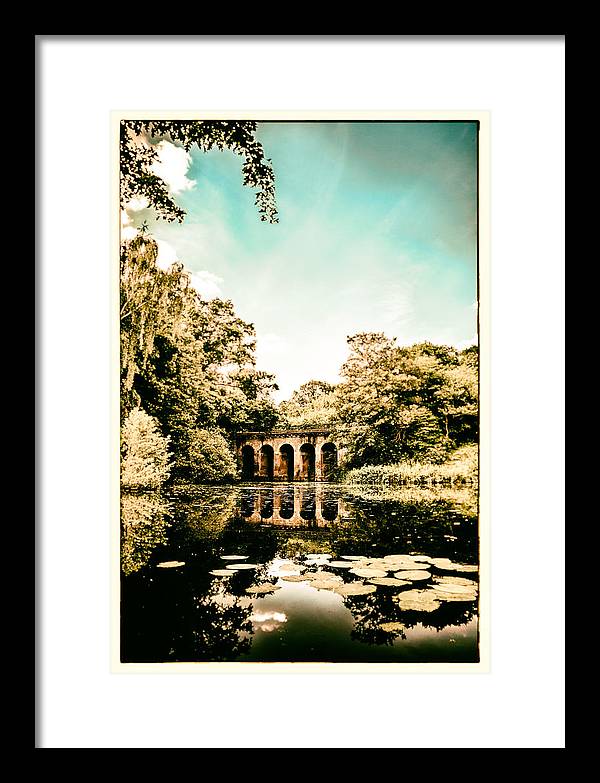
point(372, 611)
point(436, 528)
point(143, 528)
point(222, 628)
point(177, 622)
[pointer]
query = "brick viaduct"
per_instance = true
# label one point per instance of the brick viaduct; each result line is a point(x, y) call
point(287, 455)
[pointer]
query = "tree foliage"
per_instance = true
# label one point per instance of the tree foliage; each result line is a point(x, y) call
point(396, 403)
point(188, 362)
point(145, 462)
point(204, 457)
point(138, 152)
point(312, 405)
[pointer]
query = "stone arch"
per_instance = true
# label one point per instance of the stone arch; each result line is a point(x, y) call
point(286, 454)
point(267, 462)
point(329, 457)
point(247, 463)
point(307, 462)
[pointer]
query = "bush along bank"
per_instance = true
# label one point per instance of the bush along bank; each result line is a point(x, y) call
point(460, 468)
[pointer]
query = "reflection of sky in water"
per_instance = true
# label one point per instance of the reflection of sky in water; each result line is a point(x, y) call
point(267, 621)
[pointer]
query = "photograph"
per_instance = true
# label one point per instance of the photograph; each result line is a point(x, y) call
point(300, 387)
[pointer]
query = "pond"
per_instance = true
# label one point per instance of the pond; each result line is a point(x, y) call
point(300, 572)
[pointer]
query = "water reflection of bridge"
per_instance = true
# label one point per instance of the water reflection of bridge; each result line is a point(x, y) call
point(291, 506)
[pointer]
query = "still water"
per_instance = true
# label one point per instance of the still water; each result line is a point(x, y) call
point(302, 572)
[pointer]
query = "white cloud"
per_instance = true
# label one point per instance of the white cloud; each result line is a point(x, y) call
point(270, 344)
point(462, 344)
point(167, 254)
point(172, 166)
point(268, 621)
point(206, 284)
point(128, 233)
point(137, 204)
point(318, 355)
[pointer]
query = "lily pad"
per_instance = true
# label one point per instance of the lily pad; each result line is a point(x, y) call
point(421, 558)
point(368, 573)
point(322, 576)
point(387, 581)
point(352, 588)
point(294, 578)
point(452, 589)
point(262, 589)
point(417, 601)
point(234, 557)
point(392, 627)
point(324, 584)
point(242, 566)
point(171, 564)
point(456, 580)
point(354, 557)
point(413, 576)
point(292, 567)
point(454, 592)
point(221, 572)
point(340, 564)
point(455, 597)
point(412, 566)
point(463, 569)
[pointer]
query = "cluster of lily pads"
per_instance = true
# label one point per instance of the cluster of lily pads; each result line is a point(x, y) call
point(432, 580)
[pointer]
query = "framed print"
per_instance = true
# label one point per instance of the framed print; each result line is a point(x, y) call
point(301, 322)
point(263, 299)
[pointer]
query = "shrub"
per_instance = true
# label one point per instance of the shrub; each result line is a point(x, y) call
point(205, 458)
point(460, 468)
point(144, 452)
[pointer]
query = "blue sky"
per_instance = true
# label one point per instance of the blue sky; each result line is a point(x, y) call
point(377, 232)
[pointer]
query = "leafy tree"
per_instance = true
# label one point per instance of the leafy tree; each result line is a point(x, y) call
point(457, 397)
point(145, 462)
point(187, 361)
point(153, 303)
point(311, 405)
point(405, 403)
point(138, 152)
point(204, 457)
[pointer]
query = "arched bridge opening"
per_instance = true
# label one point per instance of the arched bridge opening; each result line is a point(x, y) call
point(288, 455)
